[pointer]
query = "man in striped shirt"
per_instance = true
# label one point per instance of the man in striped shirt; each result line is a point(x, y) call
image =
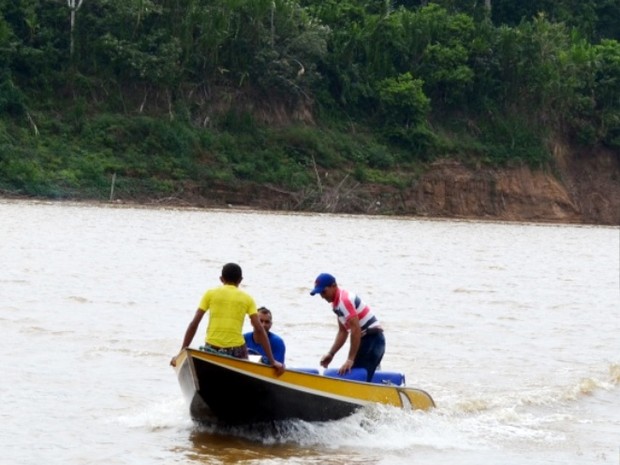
point(367, 342)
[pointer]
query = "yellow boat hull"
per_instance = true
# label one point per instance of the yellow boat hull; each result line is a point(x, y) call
point(227, 390)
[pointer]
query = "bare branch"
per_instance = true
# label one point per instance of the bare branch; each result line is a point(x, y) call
point(318, 177)
point(34, 126)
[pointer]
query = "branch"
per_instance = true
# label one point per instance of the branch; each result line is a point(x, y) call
point(318, 177)
point(34, 126)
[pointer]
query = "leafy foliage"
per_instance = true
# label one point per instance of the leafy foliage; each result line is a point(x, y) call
point(168, 93)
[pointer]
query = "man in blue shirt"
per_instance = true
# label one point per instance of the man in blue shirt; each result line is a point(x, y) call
point(277, 343)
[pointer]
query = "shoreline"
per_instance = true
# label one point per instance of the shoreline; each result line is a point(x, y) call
point(177, 204)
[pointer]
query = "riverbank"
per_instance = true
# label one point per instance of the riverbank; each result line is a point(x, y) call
point(583, 188)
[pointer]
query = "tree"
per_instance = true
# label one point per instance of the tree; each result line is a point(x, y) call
point(74, 6)
point(403, 101)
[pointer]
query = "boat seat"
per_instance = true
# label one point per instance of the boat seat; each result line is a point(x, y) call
point(313, 371)
point(356, 374)
point(391, 378)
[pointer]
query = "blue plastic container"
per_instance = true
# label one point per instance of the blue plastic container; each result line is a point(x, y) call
point(314, 371)
point(356, 374)
point(389, 377)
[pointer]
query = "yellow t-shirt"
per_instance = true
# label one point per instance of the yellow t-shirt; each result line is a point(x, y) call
point(228, 306)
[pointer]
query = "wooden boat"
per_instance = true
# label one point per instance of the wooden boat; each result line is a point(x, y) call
point(230, 391)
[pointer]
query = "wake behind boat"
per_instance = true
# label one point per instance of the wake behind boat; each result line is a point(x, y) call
point(231, 391)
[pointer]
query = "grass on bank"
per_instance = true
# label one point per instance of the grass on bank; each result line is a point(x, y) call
point(75, 156)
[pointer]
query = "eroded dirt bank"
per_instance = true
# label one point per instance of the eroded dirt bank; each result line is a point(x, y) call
point(582, 188)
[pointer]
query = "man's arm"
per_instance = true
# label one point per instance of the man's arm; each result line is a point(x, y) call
point(341, 338)
point(278, 347)
point(190, 332)
point(260, 335)
point(354, 344)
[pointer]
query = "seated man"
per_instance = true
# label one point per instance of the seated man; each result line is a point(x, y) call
point(277, 344)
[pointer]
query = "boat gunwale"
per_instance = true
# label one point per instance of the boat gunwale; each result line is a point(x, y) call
point(340, 389)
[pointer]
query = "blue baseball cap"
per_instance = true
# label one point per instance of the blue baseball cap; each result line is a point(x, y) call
point(321, 282)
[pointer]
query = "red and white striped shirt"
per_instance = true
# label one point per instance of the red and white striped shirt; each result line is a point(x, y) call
point(347, 304)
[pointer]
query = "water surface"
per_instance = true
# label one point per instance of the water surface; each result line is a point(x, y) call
point(512, 328)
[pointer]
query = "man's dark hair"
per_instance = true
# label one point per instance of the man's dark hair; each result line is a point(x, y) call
point(231, 273)
point(264, 310)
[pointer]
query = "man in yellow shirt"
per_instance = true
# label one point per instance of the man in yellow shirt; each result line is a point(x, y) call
point(228, 305)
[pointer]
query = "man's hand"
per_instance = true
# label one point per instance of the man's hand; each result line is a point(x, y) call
point(346, 367)
point(278, 367)
point(326, 360)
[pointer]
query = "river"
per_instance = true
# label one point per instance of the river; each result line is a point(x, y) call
point(512, 328)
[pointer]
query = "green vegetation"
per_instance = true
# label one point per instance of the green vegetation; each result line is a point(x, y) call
point(168, 96)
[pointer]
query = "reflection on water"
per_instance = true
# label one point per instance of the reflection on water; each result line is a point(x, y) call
point(233, 446)
point(512, 328)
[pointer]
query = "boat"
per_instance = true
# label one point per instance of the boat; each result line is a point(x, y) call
point(224, 390)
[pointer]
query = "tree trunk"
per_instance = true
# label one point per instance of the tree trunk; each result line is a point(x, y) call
point(73, 6)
